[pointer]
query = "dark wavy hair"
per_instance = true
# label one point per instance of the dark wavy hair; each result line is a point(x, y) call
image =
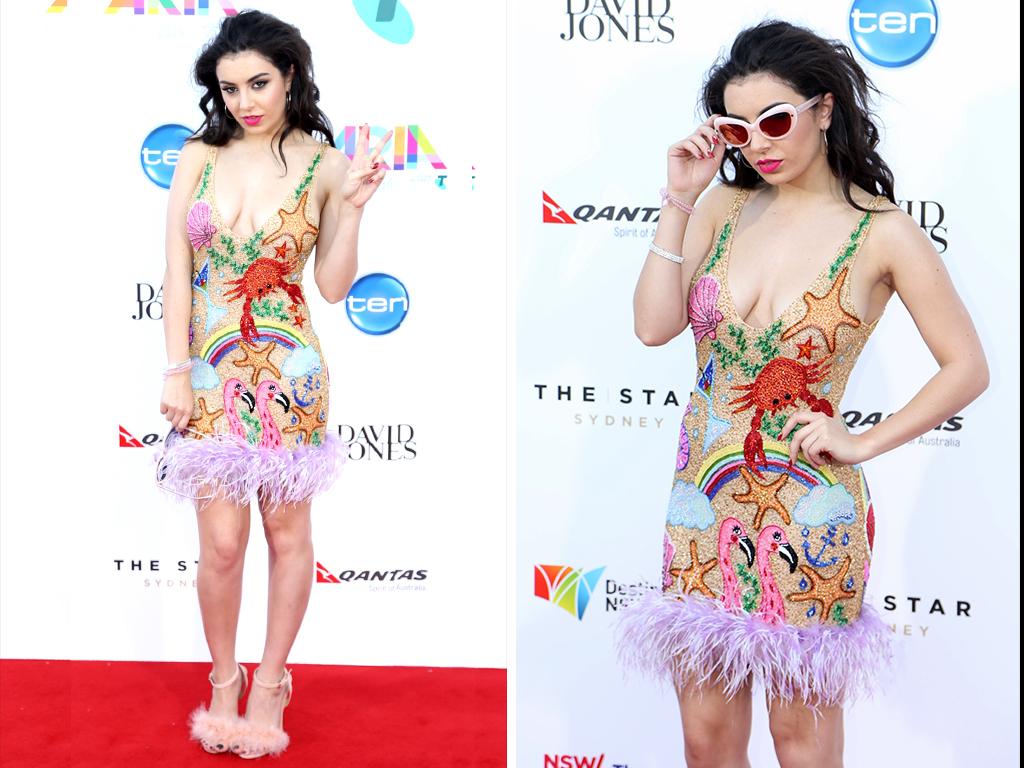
point(282, 44)
point(811, 65)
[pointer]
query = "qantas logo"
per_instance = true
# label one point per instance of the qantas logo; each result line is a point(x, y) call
point(127, 439)
point(554, 213)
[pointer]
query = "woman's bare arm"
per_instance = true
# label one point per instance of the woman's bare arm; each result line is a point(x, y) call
point(923, 284)
point(176, 402)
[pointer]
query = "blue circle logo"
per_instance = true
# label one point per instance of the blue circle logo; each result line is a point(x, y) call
point(893, 33)
point(377, 303)
point(160, 150)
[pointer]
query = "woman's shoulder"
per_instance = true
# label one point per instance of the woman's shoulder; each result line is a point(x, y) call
point(716, 202)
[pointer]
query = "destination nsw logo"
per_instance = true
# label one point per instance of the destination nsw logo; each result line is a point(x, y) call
point(567, 587)
point(562, 760)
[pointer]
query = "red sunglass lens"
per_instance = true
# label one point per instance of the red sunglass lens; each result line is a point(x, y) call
point(776, 125)
point(734, 134)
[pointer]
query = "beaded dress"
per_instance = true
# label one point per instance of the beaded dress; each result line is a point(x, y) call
point(764, 563)
point(259, 379)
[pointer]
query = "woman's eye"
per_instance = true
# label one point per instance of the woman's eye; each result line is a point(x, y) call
point(260, 82)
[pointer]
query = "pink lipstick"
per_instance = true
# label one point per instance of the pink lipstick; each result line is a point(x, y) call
point(253, 120)
point(768, 166)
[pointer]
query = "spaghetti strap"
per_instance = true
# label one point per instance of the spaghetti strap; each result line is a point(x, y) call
point(848, 257)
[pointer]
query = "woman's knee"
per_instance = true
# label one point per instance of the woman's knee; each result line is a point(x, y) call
point(704, 745)
point(287, 532)
point(224, 547)
point(801, 738)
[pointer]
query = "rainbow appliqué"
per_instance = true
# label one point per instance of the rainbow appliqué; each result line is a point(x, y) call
point(724, 465)
point(229, 337)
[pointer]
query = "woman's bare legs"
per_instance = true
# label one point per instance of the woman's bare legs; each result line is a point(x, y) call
point(223, 536)
point(801, 739)
point(716, 729)
point(290, 540)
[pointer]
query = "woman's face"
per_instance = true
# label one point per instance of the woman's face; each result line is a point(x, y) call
point(751, 96)
point(253, 90)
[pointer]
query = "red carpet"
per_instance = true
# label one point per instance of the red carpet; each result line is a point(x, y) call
point(97, 713)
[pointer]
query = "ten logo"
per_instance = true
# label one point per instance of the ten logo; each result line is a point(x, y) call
point(160, 150)
point(377, 304)
point(893, 33)
point(387, 18)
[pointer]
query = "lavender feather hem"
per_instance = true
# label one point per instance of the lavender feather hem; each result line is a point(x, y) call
point(234, 469)
point(693, 639)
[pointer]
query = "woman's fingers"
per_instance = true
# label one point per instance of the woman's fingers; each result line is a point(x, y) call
point(362, 141)
point(380, 147)
point(711, 135)
point(811, 447)
point(691, 147)
point(797, 417)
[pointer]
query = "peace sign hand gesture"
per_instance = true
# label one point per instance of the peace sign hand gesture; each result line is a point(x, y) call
point(365, 173)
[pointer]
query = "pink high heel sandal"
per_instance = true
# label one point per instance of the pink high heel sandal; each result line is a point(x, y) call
point(216, 732)
point(259, 740)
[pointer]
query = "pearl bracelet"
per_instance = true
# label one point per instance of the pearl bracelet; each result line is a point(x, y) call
point(675, 201)
point(655, 248)
point(184, 365)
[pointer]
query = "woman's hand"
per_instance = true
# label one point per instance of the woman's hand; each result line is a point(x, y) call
point(823, 439)
point(176, 401)
point(694, 161)
point(365, 173)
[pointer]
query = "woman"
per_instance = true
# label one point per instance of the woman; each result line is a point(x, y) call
point(765, 462)
point(250, 392)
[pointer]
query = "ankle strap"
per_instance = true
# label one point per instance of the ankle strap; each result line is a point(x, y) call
point(285, 677)
point(226, 683)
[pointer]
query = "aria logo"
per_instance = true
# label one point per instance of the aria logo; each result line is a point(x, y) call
point(409, 145)
point(634, 21)
point(163, 7)
point(387, 18)
point(568, 588)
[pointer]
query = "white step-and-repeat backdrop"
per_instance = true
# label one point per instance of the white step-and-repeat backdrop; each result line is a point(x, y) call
point(96, 562)
point(601, 90)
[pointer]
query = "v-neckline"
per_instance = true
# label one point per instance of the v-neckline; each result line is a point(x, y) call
point(727, 261)
point(291, 195)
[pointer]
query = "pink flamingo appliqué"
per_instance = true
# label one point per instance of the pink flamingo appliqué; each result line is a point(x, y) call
point(730, 534)
point(771, 540)
point(267, 391)
point(234, 389)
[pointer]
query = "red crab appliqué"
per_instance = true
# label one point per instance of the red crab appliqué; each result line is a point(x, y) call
point(264, 276)
point(780, 384)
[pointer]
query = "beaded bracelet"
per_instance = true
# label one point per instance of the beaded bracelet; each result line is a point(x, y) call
point(684, 206)
point(181, 367)
point(655, 248)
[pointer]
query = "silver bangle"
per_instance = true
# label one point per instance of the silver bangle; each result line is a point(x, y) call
point(655, 248)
